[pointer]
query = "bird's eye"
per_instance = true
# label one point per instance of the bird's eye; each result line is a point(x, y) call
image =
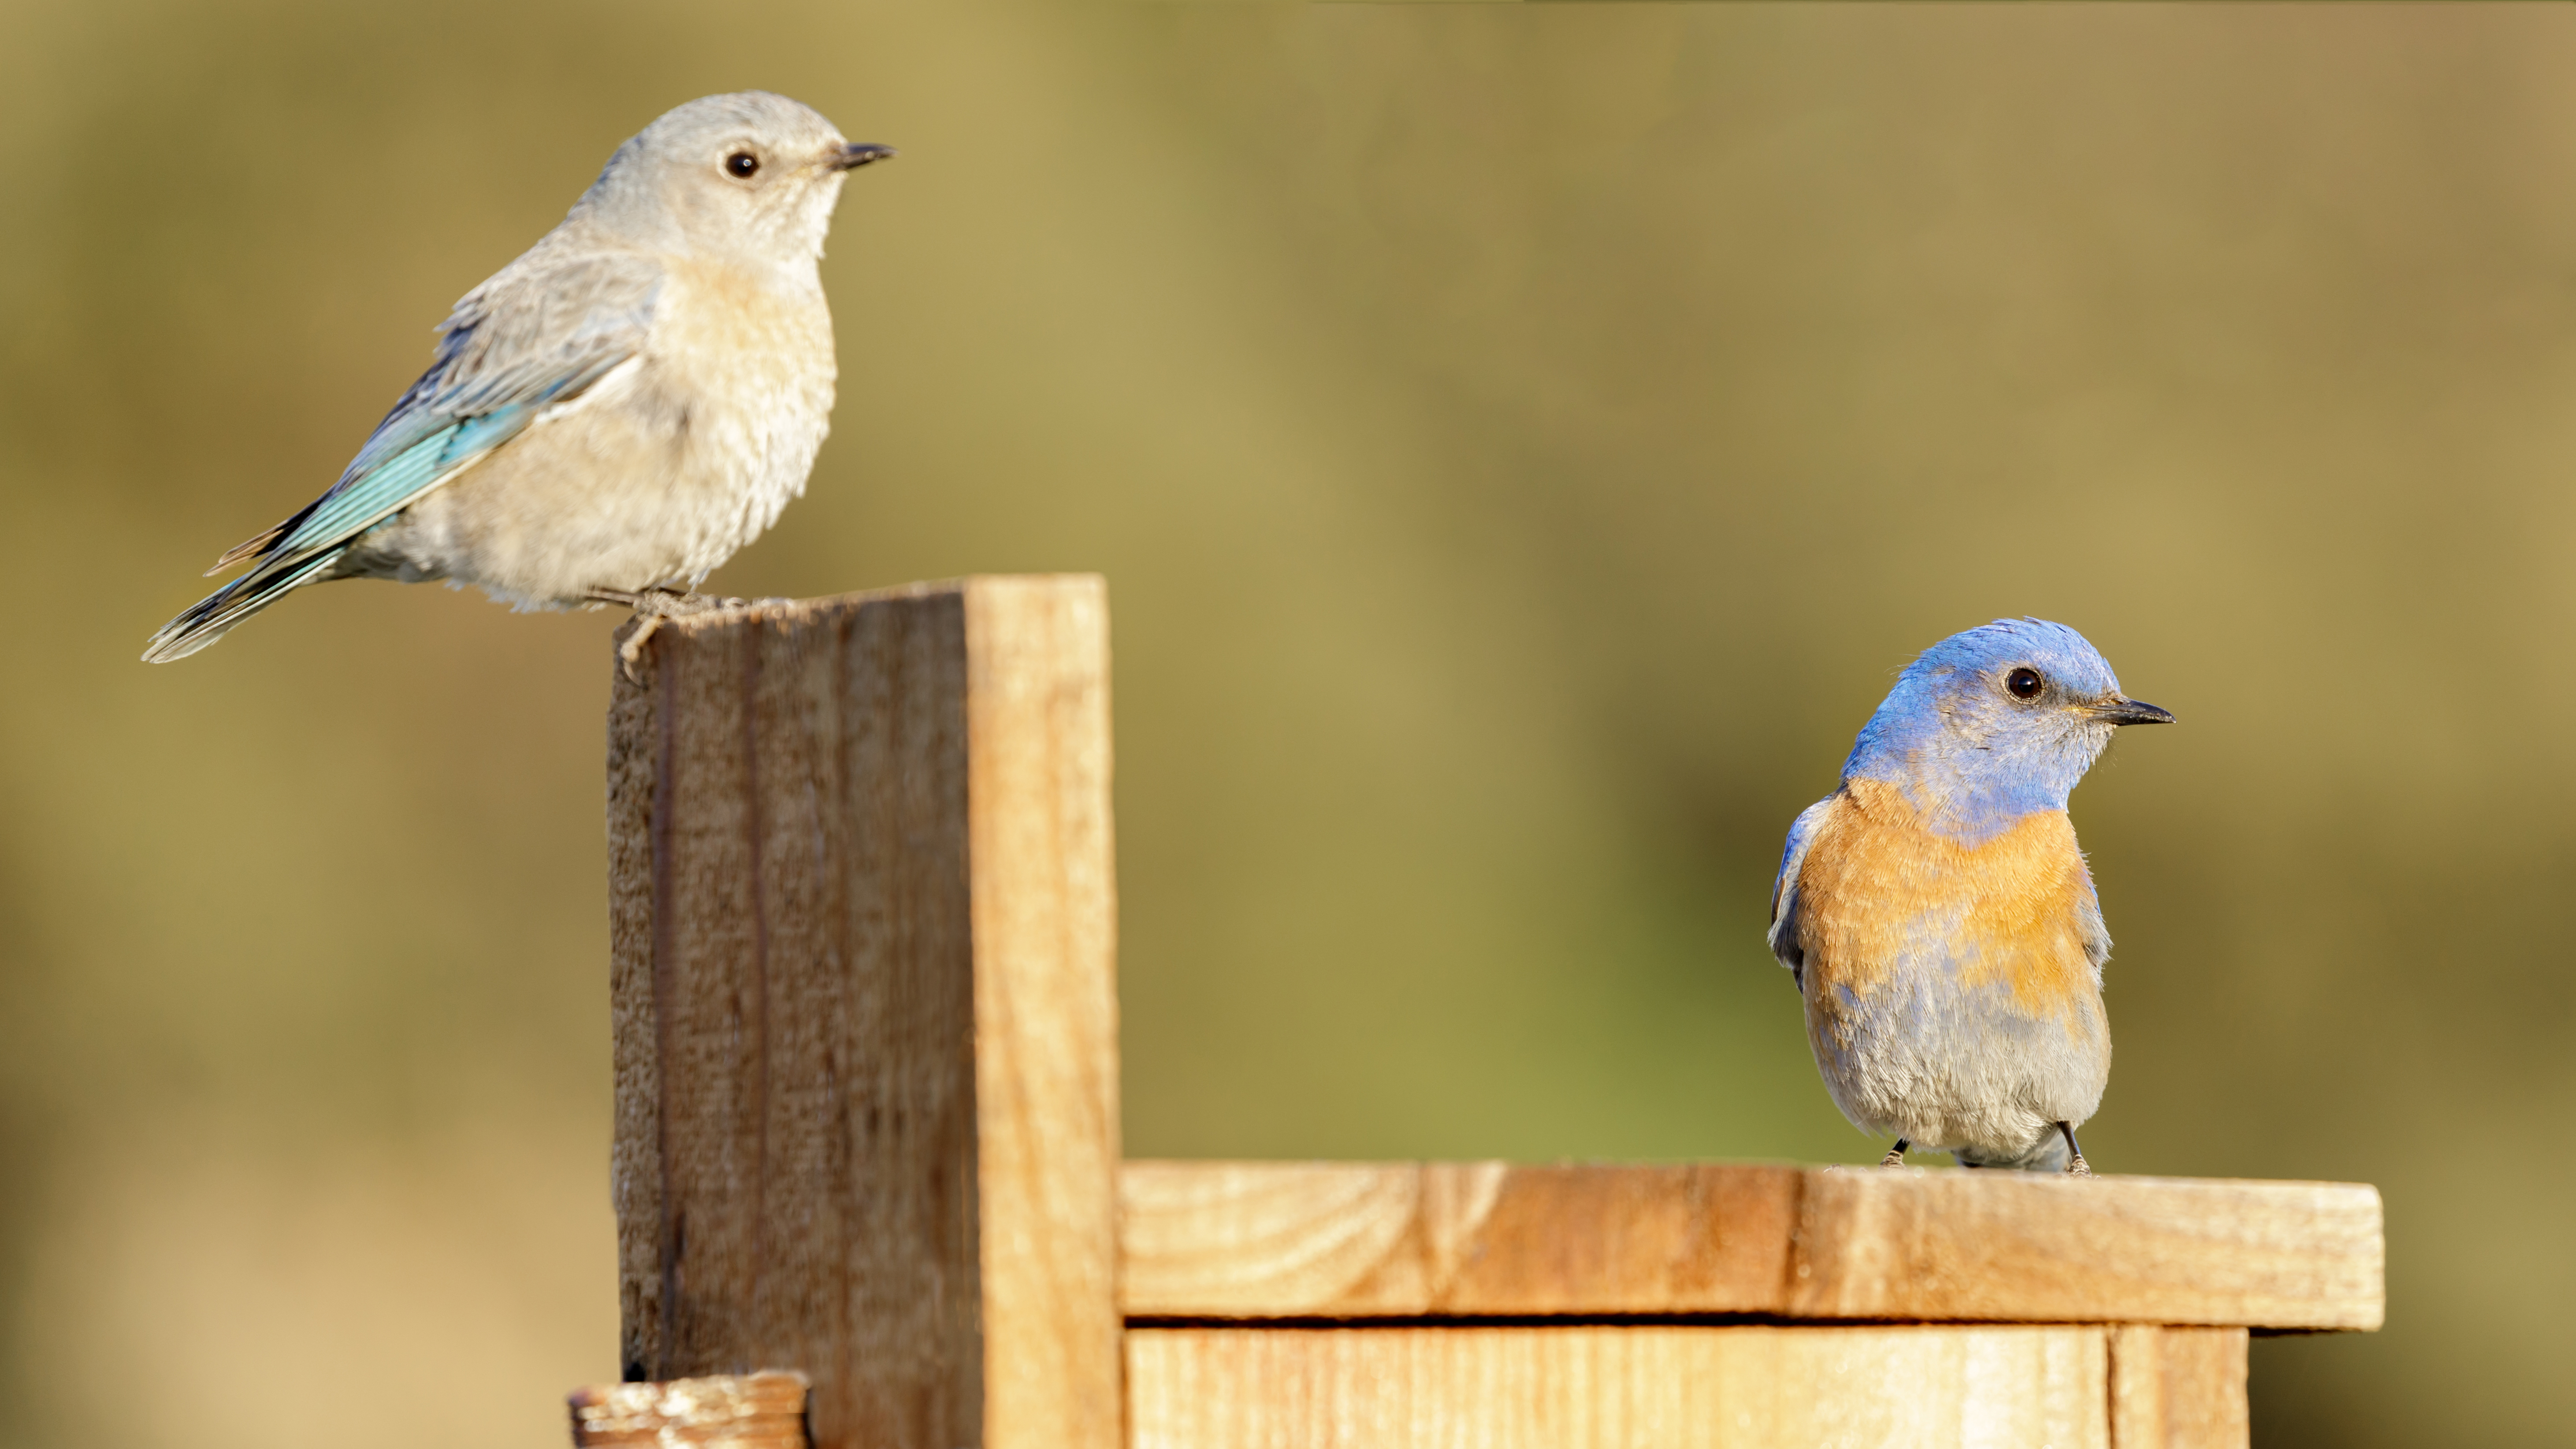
point(742, 165)
point(2024, 683)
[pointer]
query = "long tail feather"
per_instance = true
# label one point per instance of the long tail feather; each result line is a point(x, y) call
point(206, 620)
point(256, 543)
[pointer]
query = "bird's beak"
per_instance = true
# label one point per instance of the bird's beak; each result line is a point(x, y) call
point(859, 153)
point(2118, 711)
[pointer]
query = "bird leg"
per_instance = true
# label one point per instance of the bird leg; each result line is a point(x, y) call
point(1895, 1155)
point(654, 605)
point(2075, 1163)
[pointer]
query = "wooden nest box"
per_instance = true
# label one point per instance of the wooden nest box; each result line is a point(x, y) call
point(864, 937)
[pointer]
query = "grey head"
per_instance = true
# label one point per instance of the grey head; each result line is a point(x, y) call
point(747, 177)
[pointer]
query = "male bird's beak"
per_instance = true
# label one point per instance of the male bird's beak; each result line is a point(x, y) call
point(858, 154)
point(2118, 711)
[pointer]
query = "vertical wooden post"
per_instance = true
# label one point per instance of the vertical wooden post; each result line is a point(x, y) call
point(2178, 1388)
point(863, 943)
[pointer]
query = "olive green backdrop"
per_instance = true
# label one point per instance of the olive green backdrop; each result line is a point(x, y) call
point(1522, 442)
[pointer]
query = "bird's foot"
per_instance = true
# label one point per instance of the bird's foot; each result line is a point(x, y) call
point(630, 653)
point(661, 603)
point(651, 607)
point(1895, 1155)
point(2076, 1166)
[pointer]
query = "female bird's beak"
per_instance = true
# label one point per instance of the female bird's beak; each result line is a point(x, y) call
point(2118, 711)
point(859, 153)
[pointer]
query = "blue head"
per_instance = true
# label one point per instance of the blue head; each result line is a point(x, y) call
point(1994, 723)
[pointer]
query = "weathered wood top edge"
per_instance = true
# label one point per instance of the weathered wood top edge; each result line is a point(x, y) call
point(766, 611)
point(1330, 1240)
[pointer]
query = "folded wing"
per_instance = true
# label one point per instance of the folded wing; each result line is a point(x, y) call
point(539, 334)
point(1784, 891)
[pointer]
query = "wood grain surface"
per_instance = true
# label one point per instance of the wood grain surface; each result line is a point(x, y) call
point(864, 1010)
point(1644, 1387)
point(1248, 1240)
point(2178, 1388)
point(1046, 1008)
point(753, 1411)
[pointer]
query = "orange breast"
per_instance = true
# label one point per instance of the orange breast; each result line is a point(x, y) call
point(1879, 894)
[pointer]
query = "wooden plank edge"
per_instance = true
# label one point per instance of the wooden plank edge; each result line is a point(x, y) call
point(1321, 1242)
point(764, 1410)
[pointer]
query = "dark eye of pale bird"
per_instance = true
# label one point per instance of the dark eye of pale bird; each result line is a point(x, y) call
point(742, 164)
point(2024, 683)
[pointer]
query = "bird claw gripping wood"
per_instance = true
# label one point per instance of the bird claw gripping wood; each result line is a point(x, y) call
point(2076, 1166)
point(652, 606)
point(630, 653)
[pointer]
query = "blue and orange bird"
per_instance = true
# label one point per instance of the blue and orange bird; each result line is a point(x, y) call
point(1937, 915)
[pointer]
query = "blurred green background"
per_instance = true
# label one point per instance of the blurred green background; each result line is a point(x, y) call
point(1522, 442)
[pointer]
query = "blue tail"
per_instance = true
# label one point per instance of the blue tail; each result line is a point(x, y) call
point(205, 621)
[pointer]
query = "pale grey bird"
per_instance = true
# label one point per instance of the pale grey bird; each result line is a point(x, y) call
point(615, 413)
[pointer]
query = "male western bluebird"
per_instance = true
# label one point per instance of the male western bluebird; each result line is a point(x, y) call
point(1937, 915)
point(615, 413)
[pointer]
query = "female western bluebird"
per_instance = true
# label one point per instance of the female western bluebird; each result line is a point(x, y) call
point(615, 413)
point(1937, 915)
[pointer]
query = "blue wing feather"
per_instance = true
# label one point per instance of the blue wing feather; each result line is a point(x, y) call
point(367, 497)
point(1784, 890)
point(340, 514)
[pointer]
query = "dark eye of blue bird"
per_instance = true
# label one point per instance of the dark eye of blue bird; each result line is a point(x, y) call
point(2024, 683)
point(742, 164)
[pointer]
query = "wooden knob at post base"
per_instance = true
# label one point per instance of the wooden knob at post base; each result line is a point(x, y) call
point(765, 1410)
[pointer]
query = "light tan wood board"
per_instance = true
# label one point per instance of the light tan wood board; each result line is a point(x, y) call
point(1248, 1240)
point(2178, 1387)
point(1651, 1387)
point(753, 1411)
point(864, 1011)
